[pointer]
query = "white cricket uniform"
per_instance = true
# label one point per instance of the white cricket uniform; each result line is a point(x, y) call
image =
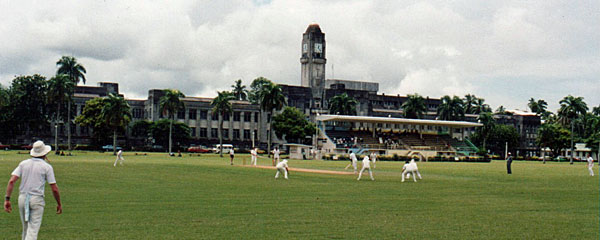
point(253, 160)
point(276, 155)
point(119, 159)
point(281, 168)
point(366, 166)
point(411, 168)
point(590, 161)
point(353, 160)
point(373, 159)
point(34, 174)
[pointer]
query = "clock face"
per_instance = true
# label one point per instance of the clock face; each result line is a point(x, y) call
point(305, 48)
point(318, 47)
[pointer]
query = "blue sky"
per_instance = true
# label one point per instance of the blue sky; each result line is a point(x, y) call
point(503, 51)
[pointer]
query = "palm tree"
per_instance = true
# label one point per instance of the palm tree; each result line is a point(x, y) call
point(487, 119)
point(451, 108)
point(60, 88)
point(470, 102)
point(414, 107)
point(596, 110)
point(481, 107)
point(221, 105)
point(501, 110)
point(570, 108)
point(117, 115)
point(272, 98)
point(170, 104)
point(239, 90)
point(68, 65)
point(342, 105)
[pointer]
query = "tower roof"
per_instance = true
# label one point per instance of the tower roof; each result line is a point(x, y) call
point(313, 27)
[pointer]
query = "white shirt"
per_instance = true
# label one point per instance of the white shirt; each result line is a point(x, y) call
point(366, 162)
point(231, 152)
point(34, 174)
point(253, 153)
point(120, 154)
point(276, 153)
point(353, 157)
point(590, 161)
point(282, 164)
point(373, 156)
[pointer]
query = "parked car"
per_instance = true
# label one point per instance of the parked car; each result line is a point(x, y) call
point(26, 147)
point(110, 147)
point(198, 149)
point(226, 147)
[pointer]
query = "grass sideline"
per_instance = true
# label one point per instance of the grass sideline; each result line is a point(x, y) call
point(161, 197)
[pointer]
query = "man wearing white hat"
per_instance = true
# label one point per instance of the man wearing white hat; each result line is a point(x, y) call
point(282, 167)
point(34, 174)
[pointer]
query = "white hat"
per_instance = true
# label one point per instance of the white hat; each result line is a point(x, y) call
point(39, 149)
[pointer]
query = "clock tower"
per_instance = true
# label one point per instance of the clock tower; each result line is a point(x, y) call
point(313, 63)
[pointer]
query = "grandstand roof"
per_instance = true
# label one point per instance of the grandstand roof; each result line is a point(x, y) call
point(346, 118)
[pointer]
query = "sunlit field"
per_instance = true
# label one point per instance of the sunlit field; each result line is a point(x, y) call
point(203, 197)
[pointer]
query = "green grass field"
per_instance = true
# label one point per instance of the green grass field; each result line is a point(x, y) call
point(160, 197)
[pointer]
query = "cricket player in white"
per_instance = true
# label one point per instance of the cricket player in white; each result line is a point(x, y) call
point(282, 167)
point(590, 166)
point(253, 153)
point(353, 161)
point(231, 155)
point(367, 166)
point(276, 156)
point(411, 168)
point(373, 158)
point(119, 158)
point(34, 174)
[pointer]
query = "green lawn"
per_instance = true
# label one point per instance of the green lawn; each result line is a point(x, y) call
point(160, 197)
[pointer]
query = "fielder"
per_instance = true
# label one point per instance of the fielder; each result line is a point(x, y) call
point(119, 159)
point(366, 165)
point(282, 167)
point(590, 161)
point(254, 154)
point(410, 167)
point(373, 158)
point(276, 156)
point(231, 155)
point(353, 161)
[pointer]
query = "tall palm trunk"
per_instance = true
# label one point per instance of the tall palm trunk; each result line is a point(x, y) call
point(572, 128)
point(221, 136)
point(69, 126)
point(115, 141)
point(170, 135)
point(56, 128)
point(269, 117)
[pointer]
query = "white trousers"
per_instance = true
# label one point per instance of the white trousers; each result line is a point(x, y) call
point(353, 164)
point(253, 161)
point(591, 170)
point(119, 159)
point(414, 174)
point(281, 170)
point(361, 172)
point(36, 211)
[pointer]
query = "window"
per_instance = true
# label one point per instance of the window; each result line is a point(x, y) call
point(138, 113)
point(236, 116)
point(255, 117)
point(181, 114)
point(225, 133)
point(255, 134)
point(236, 133)
point(193, 130)
point(247, 134)
point(192, 114)
point(203, 132)
point(247, 116)
point(215, 117)
point(226, 117)
point(204, 114)
point(214, 132)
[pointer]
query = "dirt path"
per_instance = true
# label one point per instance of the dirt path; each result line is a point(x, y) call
point(303, 170)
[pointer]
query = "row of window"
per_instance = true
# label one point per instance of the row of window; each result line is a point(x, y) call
point(214, 133)
point(237, 116)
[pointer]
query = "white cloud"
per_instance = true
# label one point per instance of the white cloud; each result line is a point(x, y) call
point(434, 48)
